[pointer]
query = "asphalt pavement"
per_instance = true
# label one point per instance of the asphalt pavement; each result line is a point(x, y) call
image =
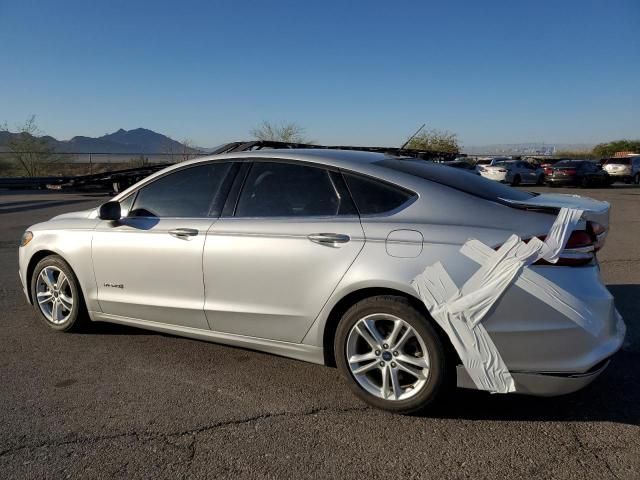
point(118, 402)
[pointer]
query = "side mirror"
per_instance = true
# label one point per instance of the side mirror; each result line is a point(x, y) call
point(110, 211)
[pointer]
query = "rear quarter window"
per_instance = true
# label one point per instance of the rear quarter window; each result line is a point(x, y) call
point(374, 196)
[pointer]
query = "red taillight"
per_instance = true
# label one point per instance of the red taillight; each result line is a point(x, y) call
point(598, 234)
point(579, 239)
point(579, 250)
point(581, 246)
point(548, 170)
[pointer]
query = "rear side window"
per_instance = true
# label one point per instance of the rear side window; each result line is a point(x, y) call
point(375, 197)
point(275, 189)
point(190, 193)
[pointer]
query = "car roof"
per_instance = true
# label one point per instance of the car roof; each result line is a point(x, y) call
point(336, 158)
point(352, 160)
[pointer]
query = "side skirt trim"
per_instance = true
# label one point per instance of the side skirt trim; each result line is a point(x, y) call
point(299, 351)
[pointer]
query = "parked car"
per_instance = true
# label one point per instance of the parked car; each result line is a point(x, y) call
point(583, 173)
point(313, 255)
point(625, 169)
point(487, 162)
point(514, 172)
point(547, 164)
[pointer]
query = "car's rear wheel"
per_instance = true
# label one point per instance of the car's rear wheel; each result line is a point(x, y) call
point(390, 355)
point(56, 294)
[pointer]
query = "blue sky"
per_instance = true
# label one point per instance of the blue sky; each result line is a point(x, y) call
point(349, 72)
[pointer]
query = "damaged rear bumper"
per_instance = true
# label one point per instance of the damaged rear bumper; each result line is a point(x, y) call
point(578, 368)
point(543, 384)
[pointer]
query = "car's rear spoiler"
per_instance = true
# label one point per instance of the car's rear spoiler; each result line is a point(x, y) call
point(593, 210)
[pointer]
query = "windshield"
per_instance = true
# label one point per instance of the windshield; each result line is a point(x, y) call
point(618, 161)
point(463, 181)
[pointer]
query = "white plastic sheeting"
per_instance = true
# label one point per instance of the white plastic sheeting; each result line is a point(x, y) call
point(460, 311)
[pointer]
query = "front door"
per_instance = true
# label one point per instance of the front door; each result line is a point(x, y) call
point(270, 267)
point(148, 265)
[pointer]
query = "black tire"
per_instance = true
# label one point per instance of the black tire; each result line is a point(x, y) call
point(540, 180)
point(77, 315)
point(441, 372)
point(516, 181)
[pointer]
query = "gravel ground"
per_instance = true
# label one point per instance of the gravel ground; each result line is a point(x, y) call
point(119, 402)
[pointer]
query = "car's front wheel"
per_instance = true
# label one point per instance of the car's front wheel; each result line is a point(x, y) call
point(390, 355)
point(56, 294)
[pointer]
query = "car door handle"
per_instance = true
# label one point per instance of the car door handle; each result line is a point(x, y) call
point(183, 233)
point(329, 239)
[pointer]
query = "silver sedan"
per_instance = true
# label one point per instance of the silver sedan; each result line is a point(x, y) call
point(319, 255)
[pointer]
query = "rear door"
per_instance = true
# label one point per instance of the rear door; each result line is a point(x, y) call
point(273, 261)
point(148, 265)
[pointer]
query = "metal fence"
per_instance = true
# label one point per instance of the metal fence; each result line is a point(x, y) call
point(67, 163)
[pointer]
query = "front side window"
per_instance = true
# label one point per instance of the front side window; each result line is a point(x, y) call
point(189, 193)
point(275, 189)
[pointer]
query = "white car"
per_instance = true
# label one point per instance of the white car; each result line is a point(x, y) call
point(486, 162)
point(626, 169)
point(340, 258)
point(514, 172)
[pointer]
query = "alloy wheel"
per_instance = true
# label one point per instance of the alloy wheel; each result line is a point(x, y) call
point(54, 295)
point(387, 357)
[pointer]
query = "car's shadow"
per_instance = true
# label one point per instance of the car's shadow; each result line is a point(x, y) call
point(613, 397)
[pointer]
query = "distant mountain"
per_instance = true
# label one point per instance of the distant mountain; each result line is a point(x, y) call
point(139, 140)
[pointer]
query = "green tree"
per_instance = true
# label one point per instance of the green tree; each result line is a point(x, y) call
point(604, 150)
point(32, 153)
point(435, 140)
point(285, 132)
